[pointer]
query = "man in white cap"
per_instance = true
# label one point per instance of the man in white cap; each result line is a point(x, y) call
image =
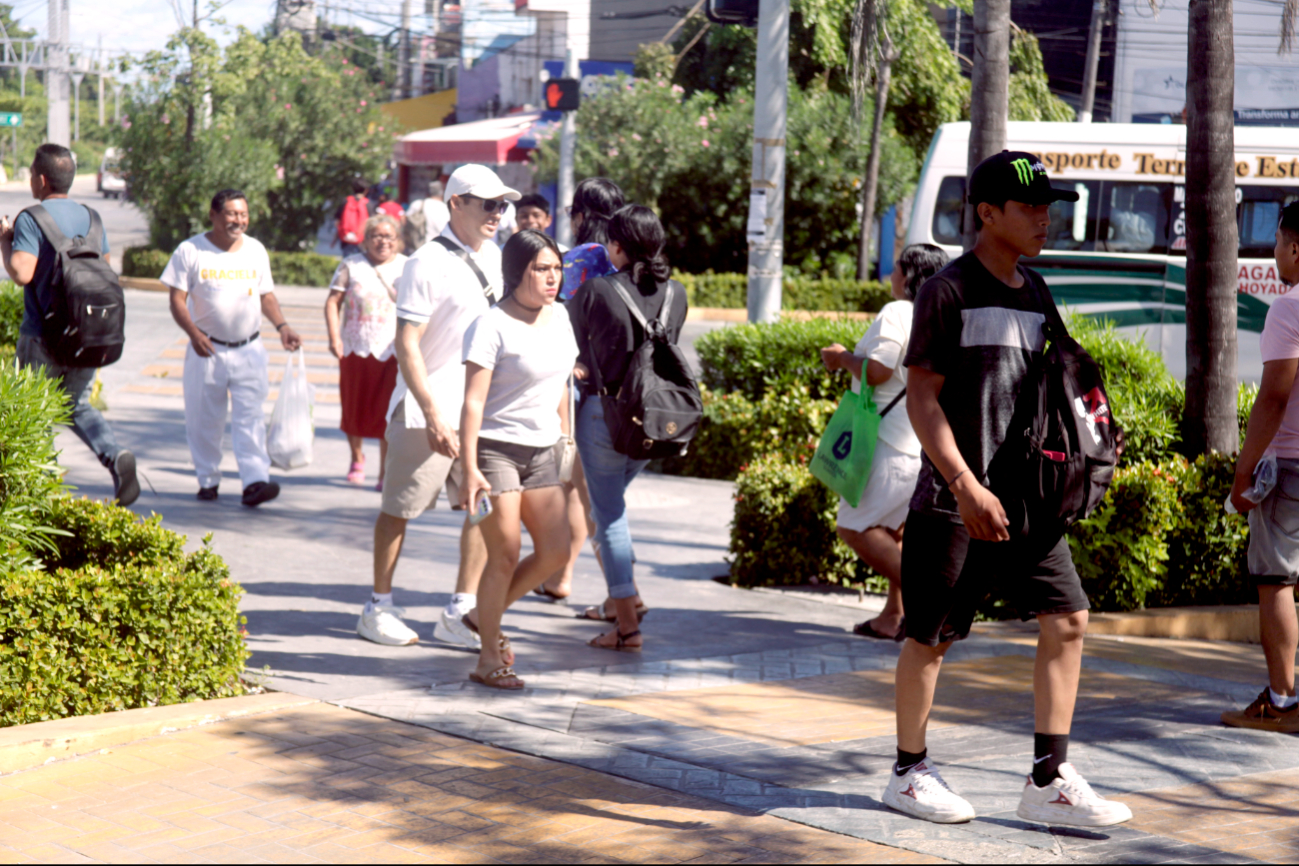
point(447, 284)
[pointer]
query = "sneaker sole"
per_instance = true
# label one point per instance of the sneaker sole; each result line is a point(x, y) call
point(446, 635)
point(383, 641)
point(891, 800)
point(1056, 817)
point(1236, 720)
point(128, 487)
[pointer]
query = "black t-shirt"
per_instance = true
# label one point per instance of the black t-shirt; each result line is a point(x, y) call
point(606, 332)
point(984, 337)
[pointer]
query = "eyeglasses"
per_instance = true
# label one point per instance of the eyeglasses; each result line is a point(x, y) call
point(384, 239)
point(490, 205)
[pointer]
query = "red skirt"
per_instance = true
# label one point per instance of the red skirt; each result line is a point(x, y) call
point(365, 385)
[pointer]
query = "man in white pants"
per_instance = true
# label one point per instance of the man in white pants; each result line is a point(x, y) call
point(226, 278)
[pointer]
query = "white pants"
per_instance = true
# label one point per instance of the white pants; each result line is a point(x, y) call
point(241, 374)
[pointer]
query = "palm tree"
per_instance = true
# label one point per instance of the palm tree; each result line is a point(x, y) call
point(1210, 420)
point(873, 54)
point(989, 89)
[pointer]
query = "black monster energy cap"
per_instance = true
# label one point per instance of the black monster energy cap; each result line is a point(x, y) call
point(1013, 175)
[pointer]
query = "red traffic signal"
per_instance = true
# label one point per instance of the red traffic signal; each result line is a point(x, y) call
point(563, 94)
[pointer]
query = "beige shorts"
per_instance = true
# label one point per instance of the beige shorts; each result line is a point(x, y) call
point(887, 497)
point(413, 473)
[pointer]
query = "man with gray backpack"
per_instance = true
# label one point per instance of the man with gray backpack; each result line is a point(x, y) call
point(73, 306)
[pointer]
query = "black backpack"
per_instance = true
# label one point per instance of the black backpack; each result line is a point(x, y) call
point(1060, 454)
point(657, 409)
point(85, 325)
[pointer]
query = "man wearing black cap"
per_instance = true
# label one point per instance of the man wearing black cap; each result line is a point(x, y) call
point(976, 335)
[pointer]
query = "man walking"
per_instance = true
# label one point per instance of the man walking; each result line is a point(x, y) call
point(221, 287)
point(434, 210)
point(446, 285)
point(976, 336)
point(30, 260)
point(1273, 537)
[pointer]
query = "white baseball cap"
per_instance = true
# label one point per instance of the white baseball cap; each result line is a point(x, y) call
point(480, 181)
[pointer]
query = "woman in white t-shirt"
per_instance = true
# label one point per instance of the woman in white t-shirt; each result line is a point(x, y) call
point(874, 528)
point(364, 291)
point(518, 358)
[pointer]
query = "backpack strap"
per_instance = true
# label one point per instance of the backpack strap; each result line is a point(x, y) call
point(460, 253)
point(893, 402)
point(50, 228)
point(1054, 321)
point(95, 237)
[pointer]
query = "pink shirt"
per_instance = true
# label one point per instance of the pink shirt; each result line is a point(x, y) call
point(1280, 342)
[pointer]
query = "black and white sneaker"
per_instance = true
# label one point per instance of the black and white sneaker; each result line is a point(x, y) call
point(126, 487)
point(260, 491)
point(207, 494)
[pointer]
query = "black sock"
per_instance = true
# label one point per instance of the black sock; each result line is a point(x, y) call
point(1049, 752)
point(907, 760)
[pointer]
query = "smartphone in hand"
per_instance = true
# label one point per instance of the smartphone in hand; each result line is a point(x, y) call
point(482, 508)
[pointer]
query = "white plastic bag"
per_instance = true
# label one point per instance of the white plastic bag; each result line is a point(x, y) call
point(1264, 481)
point(291, 432)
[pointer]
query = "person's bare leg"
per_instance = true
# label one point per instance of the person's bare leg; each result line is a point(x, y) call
point(1279, 631)
point(501, 533)
point(627, 622)
point(880, 549)
point(389, 535)
point(914, 684)
point(383, 456)
point(357, 445)
point(561, 582)
point(1056, 671)
point(473, 558)
point(543, 512)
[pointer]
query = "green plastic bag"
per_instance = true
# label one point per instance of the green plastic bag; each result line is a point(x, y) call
point(847, 448)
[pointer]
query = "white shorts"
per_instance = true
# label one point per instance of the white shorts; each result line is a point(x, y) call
point(888, 492)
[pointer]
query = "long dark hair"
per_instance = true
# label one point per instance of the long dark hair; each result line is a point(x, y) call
point(520, 251)
point(918, 263)
point(596, 199)
point(638, 231)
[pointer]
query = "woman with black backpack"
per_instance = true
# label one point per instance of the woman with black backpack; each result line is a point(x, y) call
point(608, 334)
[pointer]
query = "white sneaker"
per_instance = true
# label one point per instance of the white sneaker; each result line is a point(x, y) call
point(382, 623)
point(1070, 800)
point(451, 630)
point(923, 794)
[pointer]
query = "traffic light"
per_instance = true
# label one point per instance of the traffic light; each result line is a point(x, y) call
point(742, 12)
point(563, 94)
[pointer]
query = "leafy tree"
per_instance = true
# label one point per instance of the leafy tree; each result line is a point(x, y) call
point(1030, 98)
point(289, 129)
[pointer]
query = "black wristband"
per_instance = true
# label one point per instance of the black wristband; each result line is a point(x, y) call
point(281, 326)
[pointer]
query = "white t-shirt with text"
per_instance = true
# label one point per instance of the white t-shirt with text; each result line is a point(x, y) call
point(886, 341)
point(223, 288)
point(530, 367)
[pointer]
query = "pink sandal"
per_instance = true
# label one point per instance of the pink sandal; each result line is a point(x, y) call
point(356, 475)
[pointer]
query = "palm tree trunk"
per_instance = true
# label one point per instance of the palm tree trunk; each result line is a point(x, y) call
point(1211, 239)
point(989, 89)
point(870, 186)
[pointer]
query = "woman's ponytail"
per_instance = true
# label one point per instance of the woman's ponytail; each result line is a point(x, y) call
point(638, 231)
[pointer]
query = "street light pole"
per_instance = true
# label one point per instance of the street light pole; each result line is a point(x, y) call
point(766, 226)
point(1093, 62)
point(567, 152)
point(403, 50)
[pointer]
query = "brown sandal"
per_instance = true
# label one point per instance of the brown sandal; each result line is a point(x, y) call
point(596, 613)
point(505, 641)
point(621, 646)
point(493, 680)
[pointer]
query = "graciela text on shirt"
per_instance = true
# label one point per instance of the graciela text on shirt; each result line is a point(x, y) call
point(223, 274)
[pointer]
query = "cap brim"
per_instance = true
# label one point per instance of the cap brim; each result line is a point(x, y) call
point(1049, 198)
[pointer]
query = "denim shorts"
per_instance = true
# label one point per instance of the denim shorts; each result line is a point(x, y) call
point(510, 468)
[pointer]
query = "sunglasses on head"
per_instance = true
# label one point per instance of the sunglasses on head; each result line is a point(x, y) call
point(490, 205)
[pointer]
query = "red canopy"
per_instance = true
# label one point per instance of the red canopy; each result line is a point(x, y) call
point(491, 142)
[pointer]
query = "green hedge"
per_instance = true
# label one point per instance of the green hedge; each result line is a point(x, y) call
point(139, 623)
point(287, 268)
point(11, 312)
point(753, 359)
point(30, 404)
point(797, 293)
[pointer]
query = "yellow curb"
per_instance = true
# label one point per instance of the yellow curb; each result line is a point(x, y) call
point(731, 314)
point(1229, 622)
point(25, 746)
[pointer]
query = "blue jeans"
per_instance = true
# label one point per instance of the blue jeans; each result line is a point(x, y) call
point(608, 475)
point(77, 383)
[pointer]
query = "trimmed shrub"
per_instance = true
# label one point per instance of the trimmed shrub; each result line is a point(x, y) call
point(783, 529)
point(797, 293)
point(140, 623)
point(11, 312)
point(752, 359)
point(1208, 547)
point(30, 405)
point(287, 268)
point(144, 262)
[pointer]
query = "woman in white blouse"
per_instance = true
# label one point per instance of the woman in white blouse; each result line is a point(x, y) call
point(364, 290)
point(874, 528)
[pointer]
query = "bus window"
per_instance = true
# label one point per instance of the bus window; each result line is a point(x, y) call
point(947, 211)
point(1073, 224)
point(1134, 218)
point(1258, 212)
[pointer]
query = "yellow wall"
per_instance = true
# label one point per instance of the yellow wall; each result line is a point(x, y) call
point(421, 112)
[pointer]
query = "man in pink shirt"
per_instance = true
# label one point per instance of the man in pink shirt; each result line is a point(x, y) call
point(1274, 522)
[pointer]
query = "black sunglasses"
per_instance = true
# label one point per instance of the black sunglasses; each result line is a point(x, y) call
point(490, 205)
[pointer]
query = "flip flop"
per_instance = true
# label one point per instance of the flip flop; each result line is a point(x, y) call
point(493, 680)
point(549, 596)
point(865, 629)
point(621, 646)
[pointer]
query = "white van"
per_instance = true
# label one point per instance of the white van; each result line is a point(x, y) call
point(1120, 251)
point(110, 180)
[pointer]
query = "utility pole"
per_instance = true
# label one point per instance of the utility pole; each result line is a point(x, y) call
point(1093, 62)
point(403, 50)
point(100, 59)
point(117, 102)
point(989, 91)
point(567, 153)
point(77, 78)
point(56, 74)
point(766, 227)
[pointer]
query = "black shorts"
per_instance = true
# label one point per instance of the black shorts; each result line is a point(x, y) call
point(946, 575)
